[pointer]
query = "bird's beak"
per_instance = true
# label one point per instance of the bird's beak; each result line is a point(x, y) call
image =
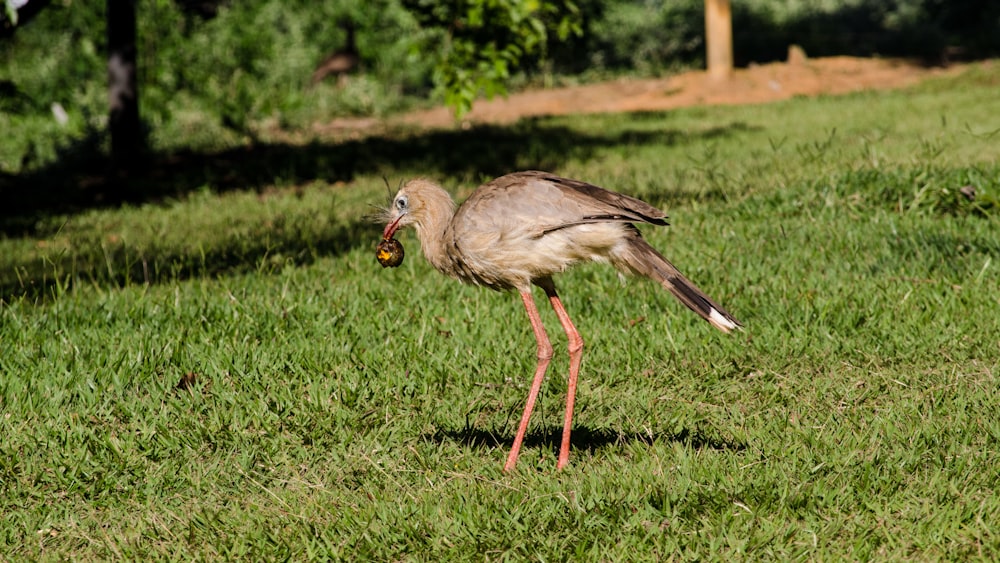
point(391, 228)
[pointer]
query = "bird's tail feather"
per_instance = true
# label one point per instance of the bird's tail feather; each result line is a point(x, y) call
point(641, 258)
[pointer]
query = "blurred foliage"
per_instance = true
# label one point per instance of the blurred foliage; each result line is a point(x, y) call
point(483, 41)
point(935, 31)
point(645, 37)
point(654, 36)
point(9, 13)
point(216, 72)
point(242, 62)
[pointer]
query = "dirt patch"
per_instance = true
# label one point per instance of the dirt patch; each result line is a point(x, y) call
point(753, 85)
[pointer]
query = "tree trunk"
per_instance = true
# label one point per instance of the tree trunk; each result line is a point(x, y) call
point(126, 132)
point(719, 38)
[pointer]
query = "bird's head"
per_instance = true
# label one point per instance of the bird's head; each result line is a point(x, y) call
point(420, 203)
point(398, 214)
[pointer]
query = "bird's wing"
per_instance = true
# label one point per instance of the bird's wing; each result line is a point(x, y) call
point(598, 202)
point(533, 204)
point(544, 203)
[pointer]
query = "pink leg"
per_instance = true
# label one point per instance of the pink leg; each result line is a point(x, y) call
point(575, 357)
point(544, 356)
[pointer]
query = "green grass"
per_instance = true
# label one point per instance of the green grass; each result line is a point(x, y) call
point(339, 410)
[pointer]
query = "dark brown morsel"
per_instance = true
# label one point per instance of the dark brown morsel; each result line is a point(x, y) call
point(389, 253)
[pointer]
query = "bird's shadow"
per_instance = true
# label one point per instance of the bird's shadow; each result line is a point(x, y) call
point(583, 438)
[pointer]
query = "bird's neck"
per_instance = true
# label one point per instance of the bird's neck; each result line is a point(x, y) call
point(435, 217)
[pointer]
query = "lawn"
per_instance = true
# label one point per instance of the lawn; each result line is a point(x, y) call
point(228, 373)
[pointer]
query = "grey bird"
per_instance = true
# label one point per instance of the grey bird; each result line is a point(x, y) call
point(522, 228)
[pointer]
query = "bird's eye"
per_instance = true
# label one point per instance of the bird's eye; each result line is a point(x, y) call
point(401, 203)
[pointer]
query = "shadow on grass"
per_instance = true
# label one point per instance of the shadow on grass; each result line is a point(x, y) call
point(81, 179)
point(120, 265)
point(584, 438)
point(37, 203)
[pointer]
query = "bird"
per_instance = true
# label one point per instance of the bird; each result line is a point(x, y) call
point(518, 231)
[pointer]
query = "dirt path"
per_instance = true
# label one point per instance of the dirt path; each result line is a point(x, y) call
point(756, 84)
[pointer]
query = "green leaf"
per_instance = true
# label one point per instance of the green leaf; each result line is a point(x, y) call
point(487, 40)
point(11, 12)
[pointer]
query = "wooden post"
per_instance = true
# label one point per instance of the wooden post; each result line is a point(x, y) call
point(719, 38)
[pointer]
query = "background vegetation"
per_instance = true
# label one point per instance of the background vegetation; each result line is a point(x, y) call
point(212, 365)
point(215, 72)
point(229, 374)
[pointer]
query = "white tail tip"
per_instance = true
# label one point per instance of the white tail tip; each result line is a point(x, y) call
point(720, 322)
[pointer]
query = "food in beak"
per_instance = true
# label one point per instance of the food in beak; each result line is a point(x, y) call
point(389, 253)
